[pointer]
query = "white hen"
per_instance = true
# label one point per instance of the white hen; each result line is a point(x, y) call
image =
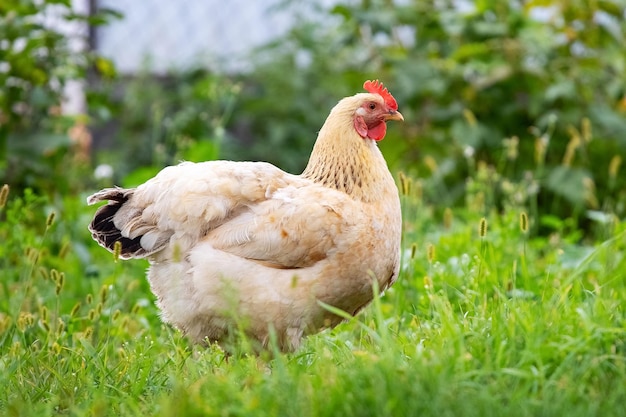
point(245, 239)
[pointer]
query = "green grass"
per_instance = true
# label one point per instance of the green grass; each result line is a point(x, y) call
point(508, 323)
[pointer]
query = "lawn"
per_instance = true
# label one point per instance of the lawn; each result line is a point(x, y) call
point(496, 312)
point(510, 302)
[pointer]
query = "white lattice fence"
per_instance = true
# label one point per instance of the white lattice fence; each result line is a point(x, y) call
point(175, 34)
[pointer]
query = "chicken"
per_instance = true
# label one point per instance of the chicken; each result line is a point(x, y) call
point(246, 244)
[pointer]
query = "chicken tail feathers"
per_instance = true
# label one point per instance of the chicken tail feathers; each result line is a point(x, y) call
point(103, 228)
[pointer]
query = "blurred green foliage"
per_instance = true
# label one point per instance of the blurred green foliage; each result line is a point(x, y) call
point(36, 62)
point(535, 89)
point(529, 96)
point(160, 121)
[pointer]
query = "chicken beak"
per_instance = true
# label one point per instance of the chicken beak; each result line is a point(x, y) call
point(394, 115)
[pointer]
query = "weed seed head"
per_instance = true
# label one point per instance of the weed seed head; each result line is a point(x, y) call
point(50, 219)
point(121, 353)
point(572, 145)
point(44, 273)
point(541, 146)
point(586, 129)
point(60, 281)
point(523, 222)
point(24, 321)
point(482, 228)
point(428, 282)
point(43, 311)
point(32, 254)
point(60, 326)
point(430, 253)
point(405, 184)
point(117, 250)
point(64, 250)
point(16, 349)
point(447, 218)
point(4, 194)
point(75, 309)
point(590, 192)
point(431, 163)
point(5, 323)
point(104, 292)
point(614, 165)
point(469, 116)
point(44, 324)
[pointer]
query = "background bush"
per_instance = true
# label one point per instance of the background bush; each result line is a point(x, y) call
point(162, 120)
point(532, 94)
point(36, 62)
point(540, 96)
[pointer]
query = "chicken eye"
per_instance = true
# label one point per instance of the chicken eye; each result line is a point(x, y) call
point(372, 106)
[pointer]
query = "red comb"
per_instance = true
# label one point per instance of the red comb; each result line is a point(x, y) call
point(376, 87)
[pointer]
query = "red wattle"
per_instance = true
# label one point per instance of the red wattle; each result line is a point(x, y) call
point(377, 132)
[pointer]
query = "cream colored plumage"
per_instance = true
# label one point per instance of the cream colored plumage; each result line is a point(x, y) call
point(245, 239)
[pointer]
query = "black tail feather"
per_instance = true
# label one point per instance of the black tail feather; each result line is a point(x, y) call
point(103, 229)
